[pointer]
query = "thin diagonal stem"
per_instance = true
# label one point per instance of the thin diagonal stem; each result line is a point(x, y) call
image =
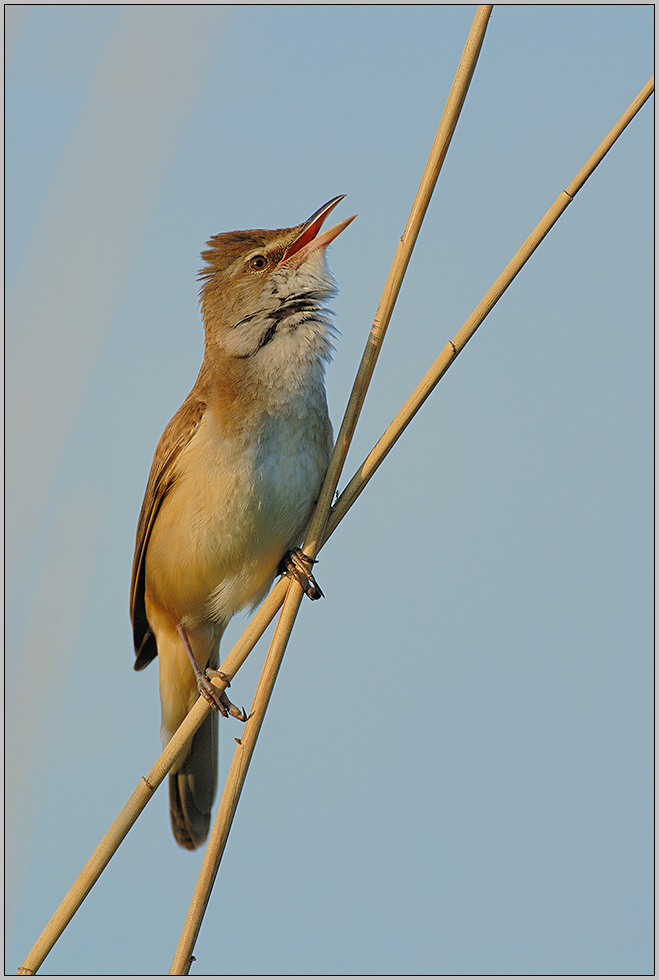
point(112, 839)
point(442, 141)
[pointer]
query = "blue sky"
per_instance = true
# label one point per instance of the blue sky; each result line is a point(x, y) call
point(455, 774)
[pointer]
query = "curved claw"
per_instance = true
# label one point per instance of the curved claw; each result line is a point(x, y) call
point(239, 713)
point(228, 706)
point(298, 566)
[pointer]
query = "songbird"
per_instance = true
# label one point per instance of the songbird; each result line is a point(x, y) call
point(234, 478)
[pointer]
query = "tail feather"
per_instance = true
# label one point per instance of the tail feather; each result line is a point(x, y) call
point(193, 786)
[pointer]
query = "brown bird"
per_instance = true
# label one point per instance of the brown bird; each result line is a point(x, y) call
point(234, 478)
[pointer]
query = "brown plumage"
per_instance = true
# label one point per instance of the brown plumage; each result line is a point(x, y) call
point(234, 476)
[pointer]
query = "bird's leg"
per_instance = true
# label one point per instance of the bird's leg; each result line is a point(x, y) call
point(218, 700)
point(298, 566)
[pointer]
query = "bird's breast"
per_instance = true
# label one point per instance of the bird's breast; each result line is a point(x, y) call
point(242, 497)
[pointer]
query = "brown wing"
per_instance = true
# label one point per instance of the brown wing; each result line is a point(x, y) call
point(174, 439)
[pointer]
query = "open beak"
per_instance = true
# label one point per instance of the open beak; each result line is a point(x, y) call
point(309, 240)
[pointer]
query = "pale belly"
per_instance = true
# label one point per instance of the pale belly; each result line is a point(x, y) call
point(229, 518)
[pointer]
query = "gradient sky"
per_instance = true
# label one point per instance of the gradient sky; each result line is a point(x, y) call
point(455, 774)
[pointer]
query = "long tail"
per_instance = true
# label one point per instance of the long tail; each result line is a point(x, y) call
point(193, 779)
point(193, 786)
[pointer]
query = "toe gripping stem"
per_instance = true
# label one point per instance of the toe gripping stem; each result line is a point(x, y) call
point(217, 699)
point(297, 565)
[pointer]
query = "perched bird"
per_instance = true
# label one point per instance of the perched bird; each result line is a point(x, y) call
point(234, 478)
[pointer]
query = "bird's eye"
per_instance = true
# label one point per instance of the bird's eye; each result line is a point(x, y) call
point(258, 262)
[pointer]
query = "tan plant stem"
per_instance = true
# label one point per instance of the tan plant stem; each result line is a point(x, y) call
point(406, 243)
point(111, 841)
point(230, 797)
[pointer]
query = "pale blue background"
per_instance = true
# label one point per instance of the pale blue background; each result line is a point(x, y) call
point(455, 775)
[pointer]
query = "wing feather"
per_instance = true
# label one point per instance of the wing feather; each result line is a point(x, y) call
point(173, 441)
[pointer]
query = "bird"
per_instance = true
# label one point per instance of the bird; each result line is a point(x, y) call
point(234, 479)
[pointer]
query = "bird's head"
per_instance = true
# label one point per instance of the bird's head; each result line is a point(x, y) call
point(260, 284)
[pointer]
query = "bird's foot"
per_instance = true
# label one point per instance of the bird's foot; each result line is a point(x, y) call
point(297, 565)
point(217, 699)
point(229, 707)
